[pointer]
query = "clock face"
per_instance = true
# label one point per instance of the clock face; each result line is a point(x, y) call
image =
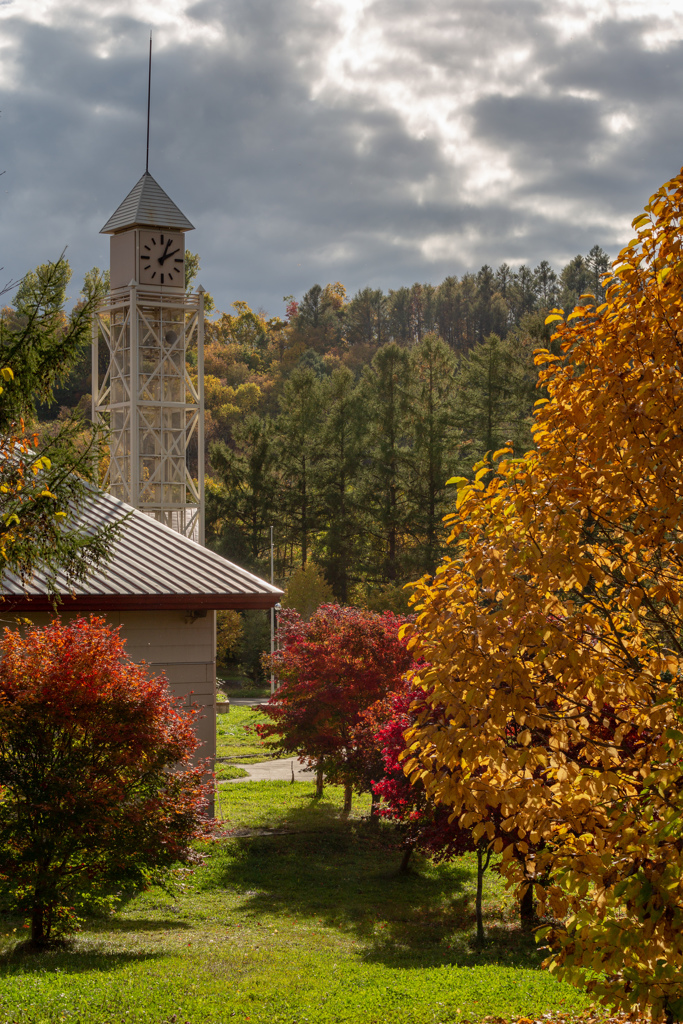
point(162, 258)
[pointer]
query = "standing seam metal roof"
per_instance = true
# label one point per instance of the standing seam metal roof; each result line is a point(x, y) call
point(151, 566)
point(147, 205)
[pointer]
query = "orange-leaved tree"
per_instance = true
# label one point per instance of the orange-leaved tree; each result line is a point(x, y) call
point(553, 633)
point(97, 789)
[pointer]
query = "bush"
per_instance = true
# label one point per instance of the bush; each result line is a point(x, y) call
point(96, 786)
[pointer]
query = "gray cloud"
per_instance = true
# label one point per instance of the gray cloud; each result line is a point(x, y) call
point(425, 139)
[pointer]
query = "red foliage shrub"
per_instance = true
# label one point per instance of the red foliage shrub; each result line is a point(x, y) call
point(424, 824)
point(330, 670)
point(96, 786)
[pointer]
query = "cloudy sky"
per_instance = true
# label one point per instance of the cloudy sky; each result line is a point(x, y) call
point(373, 142)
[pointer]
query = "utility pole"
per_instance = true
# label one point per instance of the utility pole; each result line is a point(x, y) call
point(272, 620)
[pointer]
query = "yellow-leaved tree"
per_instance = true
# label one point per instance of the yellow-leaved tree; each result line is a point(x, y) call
point(553, 635)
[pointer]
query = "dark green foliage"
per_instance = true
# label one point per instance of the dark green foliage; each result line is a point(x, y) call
point(43, 345)
point(583, 275)
point(39, 341)
point(298, 440)
point(338, 544)
point(240, 513)
point(435, 447)
point(255, 643)
point(385, 390)
point(367, 318)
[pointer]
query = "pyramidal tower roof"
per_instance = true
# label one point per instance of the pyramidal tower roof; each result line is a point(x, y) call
point(146, 205)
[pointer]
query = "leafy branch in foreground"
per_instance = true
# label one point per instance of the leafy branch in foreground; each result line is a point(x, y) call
point(46, 479)
point(43, 488)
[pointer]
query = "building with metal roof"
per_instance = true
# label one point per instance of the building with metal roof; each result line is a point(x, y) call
point(151, 566)
point(162, 590)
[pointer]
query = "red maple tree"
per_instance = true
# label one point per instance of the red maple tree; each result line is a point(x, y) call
point(425, 824)
point(330, 669)
point(96, 786)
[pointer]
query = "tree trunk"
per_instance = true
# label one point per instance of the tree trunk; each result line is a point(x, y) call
point(480, 891)
point(39, 938)
point(407, 854)
point(374, 809)
point(527, 908)
point(348, 796)
point(319, 782)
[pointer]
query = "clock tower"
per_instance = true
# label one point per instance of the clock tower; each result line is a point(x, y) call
point(142, 388)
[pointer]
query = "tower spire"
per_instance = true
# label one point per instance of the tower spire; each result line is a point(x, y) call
point(149, 97)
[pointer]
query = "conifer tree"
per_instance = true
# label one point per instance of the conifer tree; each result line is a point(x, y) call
point(367, 320)
point(335, 479)
point(386, 397)
point(435, 439)
point(241, 509)
point(400, 315)
point(484, 396)
point(298, 436)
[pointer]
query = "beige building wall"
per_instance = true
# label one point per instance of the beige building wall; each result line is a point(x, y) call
point(182, 645)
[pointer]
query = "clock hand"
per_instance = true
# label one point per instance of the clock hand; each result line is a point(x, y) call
point(167, 256)
point(164, 253)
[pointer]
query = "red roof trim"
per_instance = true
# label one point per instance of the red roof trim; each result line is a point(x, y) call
point(139, 602)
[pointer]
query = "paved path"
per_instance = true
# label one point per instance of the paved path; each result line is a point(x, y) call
point(280, 769)
point(246, 702)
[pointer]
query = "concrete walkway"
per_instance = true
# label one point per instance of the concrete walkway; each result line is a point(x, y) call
point(283, 768)
point(247, 702)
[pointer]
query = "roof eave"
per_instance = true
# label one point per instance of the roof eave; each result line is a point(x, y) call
point(146, 224)
point(139, 602)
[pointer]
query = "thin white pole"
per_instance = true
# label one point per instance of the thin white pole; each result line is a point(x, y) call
point(200, 421)
point(272, 619)
point(95, 385)
point(134, 418)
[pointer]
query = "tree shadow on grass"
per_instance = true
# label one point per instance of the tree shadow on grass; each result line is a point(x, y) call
point(135, 924)
point(344, 875)
point(70, 961)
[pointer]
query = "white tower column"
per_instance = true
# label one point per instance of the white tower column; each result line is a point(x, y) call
point(153, 408)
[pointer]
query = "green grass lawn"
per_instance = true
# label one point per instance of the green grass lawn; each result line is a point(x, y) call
point(236, 740)
point(297, 917)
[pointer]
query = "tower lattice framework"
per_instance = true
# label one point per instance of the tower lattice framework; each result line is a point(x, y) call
point(151, 404)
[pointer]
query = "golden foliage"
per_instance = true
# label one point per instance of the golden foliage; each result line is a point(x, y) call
point(554, 636)
point(226, 404)
point(229, 633)
point(306, 590)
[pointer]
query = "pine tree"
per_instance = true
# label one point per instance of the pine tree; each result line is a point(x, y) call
point(399, 315)
point(367, 318)
point(298, 437)
point(241, 509)
point(575, 280)
point(386, 395)
point(484, 397)
point(448, 303)
point(435, 445)
point(522, 294)
point(598, 263)
point(545, 284)
point(341, 445)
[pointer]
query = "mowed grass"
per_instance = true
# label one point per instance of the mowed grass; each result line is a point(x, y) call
point(236, 739)
point(295, 917)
